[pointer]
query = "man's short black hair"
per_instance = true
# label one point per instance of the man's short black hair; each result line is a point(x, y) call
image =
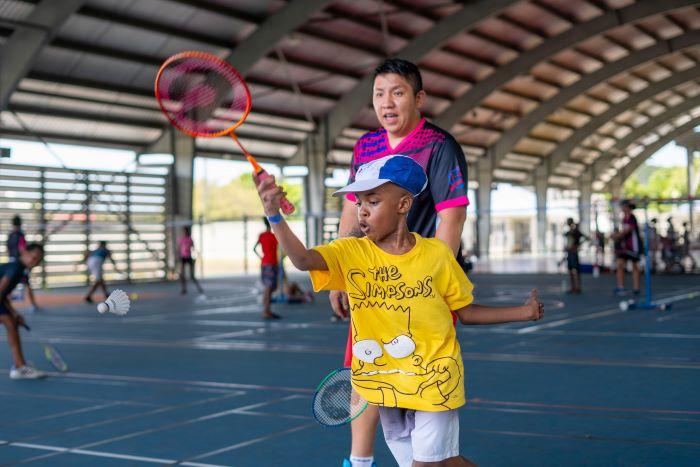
point(34, 247)
point(404, 68)
point(17, 221)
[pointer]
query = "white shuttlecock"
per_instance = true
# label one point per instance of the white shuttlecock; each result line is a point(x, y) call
point(118, 303)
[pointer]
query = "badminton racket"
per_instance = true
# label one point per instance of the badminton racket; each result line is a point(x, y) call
point(51, 353)
point(335, 403)
point(201, 95)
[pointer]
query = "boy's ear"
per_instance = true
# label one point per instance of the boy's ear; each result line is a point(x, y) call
point(405, 203)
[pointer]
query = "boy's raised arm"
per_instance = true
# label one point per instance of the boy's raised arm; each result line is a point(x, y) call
point(302, 258)
point(532, 310)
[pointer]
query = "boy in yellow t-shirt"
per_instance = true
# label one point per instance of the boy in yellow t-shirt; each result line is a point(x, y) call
point(402, 289)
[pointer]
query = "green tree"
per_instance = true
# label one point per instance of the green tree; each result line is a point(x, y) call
point(235, 199)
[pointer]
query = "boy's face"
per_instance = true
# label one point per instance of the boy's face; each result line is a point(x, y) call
point(395, 104)
point(31, 258)
point(381, 210)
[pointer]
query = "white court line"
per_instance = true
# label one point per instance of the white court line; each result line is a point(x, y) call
point(569, 333)
point(252, 345)
point(61, 414)
point(150, 379)
point(167, 408)
point(562, 322)
point(191, 421)
point(688, 294)
point(111, 455)
point(250, 442)
point(525, 358)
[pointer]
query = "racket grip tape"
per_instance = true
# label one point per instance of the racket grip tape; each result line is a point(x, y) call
point(285, 205)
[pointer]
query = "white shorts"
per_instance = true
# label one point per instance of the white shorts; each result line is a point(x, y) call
point(420, 436)
point(94, 265)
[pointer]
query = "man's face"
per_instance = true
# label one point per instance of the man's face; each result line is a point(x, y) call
point(396, 106)
point(379, 210)
point(31, 258)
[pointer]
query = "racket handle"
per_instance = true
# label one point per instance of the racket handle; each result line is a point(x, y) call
point(286, 206)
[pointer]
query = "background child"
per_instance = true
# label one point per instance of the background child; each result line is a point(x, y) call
point(11, 274)
point(269, 268)
point(16, 243)
point(185, 246)
point(95, 264)
point(402, 289)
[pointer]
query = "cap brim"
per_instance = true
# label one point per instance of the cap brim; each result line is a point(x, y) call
point(360, 186)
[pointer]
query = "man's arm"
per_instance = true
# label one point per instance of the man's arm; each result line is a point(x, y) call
point(450, 226)
point(349, 225)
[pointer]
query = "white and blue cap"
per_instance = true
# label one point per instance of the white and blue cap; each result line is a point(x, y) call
point(397, 169)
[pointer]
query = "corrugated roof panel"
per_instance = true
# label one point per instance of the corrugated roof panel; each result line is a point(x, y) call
point(507, 33)
point(634, 37)
point(15, 10)
point(475, 46)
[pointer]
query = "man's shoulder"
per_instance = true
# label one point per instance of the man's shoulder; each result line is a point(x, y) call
point(371, 140)
point(439, 135)
point(373, 134)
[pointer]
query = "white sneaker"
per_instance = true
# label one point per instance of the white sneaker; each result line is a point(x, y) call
point(26, 372)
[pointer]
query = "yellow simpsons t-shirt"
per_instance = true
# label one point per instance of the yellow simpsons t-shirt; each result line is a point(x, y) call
point(404, 346)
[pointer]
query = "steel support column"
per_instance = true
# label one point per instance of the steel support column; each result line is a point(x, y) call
point(484, 171)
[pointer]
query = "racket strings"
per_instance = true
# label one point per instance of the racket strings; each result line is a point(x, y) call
point(202, 95)
point(336, 403)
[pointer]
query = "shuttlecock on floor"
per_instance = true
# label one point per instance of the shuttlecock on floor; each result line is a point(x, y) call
point(118, 303)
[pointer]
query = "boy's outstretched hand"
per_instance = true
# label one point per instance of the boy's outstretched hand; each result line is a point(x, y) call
point(535, 306)
point(270, 194)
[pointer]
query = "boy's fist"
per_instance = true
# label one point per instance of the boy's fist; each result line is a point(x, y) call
point(534, 306)
point(270, 193)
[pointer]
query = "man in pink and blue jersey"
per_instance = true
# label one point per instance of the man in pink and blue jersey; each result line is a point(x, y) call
point(439, 211)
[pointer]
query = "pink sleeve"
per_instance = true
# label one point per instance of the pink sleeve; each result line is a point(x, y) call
point(22, 244)
point(452, 203)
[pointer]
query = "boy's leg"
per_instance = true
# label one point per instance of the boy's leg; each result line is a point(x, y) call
point(267, 298)
point(194, 279)
point(635, 275)
point(103, 286)
point(183, 280)
point(364, 430)
point(397, 425)
point(435, 440)
point(576, 280)
point(91, 290)
point(620, 272)
point(13, 339)
point(572, 281)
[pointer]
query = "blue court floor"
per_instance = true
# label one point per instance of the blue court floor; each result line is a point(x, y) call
point(207, 382)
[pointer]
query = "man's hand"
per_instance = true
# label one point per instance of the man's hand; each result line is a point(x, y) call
point(270, 194)
point(534, 306)
point(340, 304)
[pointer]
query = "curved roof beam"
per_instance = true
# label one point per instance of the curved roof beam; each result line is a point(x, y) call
point(282, 22)
point(342, 115)
point(650, 151)
point(601, 164)
point(578, 33)
point(526, 124)
point(25, 43)
point(563, 149)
